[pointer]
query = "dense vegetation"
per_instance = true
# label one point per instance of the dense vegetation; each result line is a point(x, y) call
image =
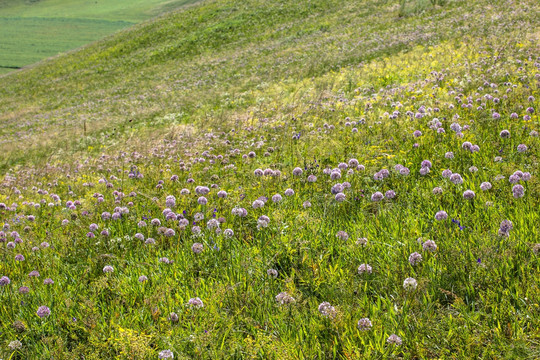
point(285, 180)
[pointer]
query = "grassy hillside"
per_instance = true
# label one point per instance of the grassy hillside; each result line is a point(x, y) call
point(34, 30)
point(285, 180)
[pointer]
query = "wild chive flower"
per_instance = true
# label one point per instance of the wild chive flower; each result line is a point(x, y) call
point(364, 268)
point(312, 178)
point(518, 191)
point(362, 242)
point(327, 310)
point(394, 340)
point(390, 194)
point(410, 284)
point(485, 186)
point(449, 155)
point(14, 345)
point(447, 173)
point(377, 196)
point(272, 273)
point(456, 179)
point(468, 194)
point(166, 354)
point(424, 171)
point(342, 235)
point(24, 290)
point(4, 280)
point(196, 302)
point(340, 197)
point(306, 204)
point(108, 269)
point(283, 298)
point(364, 324)
point(505, 134)
point(429, 245)
point(43, 311)
point(48, 281)
point(33, 273)
point(437, 190)
point(297, 171)
point(257, 204)
point(19, 257)
point(143, 278)
point(522, 148)
point(417, 133)
point(197, 248)
point(441, 215)
point(415, 258)
point(289, 192)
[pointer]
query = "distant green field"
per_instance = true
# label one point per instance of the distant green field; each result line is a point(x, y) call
point(33, 30)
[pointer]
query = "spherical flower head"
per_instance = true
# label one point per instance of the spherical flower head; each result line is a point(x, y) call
point(327, 310)
point(449, 155)
point(48, 281)
point(390, 194)
point(334, 175)
point(337, 189)
point(377, 196)
point(410, 284)
point(526, 176)
point(485, 186)
point(506, 225)
point(394, 340)
point(24, 290)
point(518, 191)
point(14, 345)
point(417, 133)
point(364, 324)
point(456, 179)
point(289, 192)
point(522, 148)
point(340, 197)
point(222, 194)
point(165, 354)
point(441, 215)
point(33, 273)
point(342, 235)
point(19, 257)
point(415, 258)
point(196, 302)
point(312, 178)
point(364, 268)
point(272, 273)
point(297, 171)
point(43, 311)
point(202, 200)
point(404, 171)
point(139, 236)
point(108, 269)
point(447, 173)
point(426, 163)
point(429, 246)
point(505, 134)
point(514, 179)
point(362, 242)
point(197, 248)
point(4, 280)
point(306, 204)
point(424, 171)
point(353, 163)
point(284, 299)
point(143, 278)
point(257, 204)
point(468, 195)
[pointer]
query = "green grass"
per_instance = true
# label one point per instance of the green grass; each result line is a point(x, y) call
point(35, 30)
point(207, 95)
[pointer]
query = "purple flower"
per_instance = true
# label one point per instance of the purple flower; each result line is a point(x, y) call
point(468, 194)
point(196, 302)
point(441, 215)
point(415, 258)
point(394, 339)
point(43, 311)
point(518, 191)
point(4, 280)
point(522, 148)
point(364, 268)
point(108, 269)
point(377, 196)
point(364, 324)
point(429, 245)
point(485, 186)
point(390, 194)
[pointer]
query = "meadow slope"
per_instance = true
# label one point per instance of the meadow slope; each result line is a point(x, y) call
point(294, 180)
point(34, 30)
